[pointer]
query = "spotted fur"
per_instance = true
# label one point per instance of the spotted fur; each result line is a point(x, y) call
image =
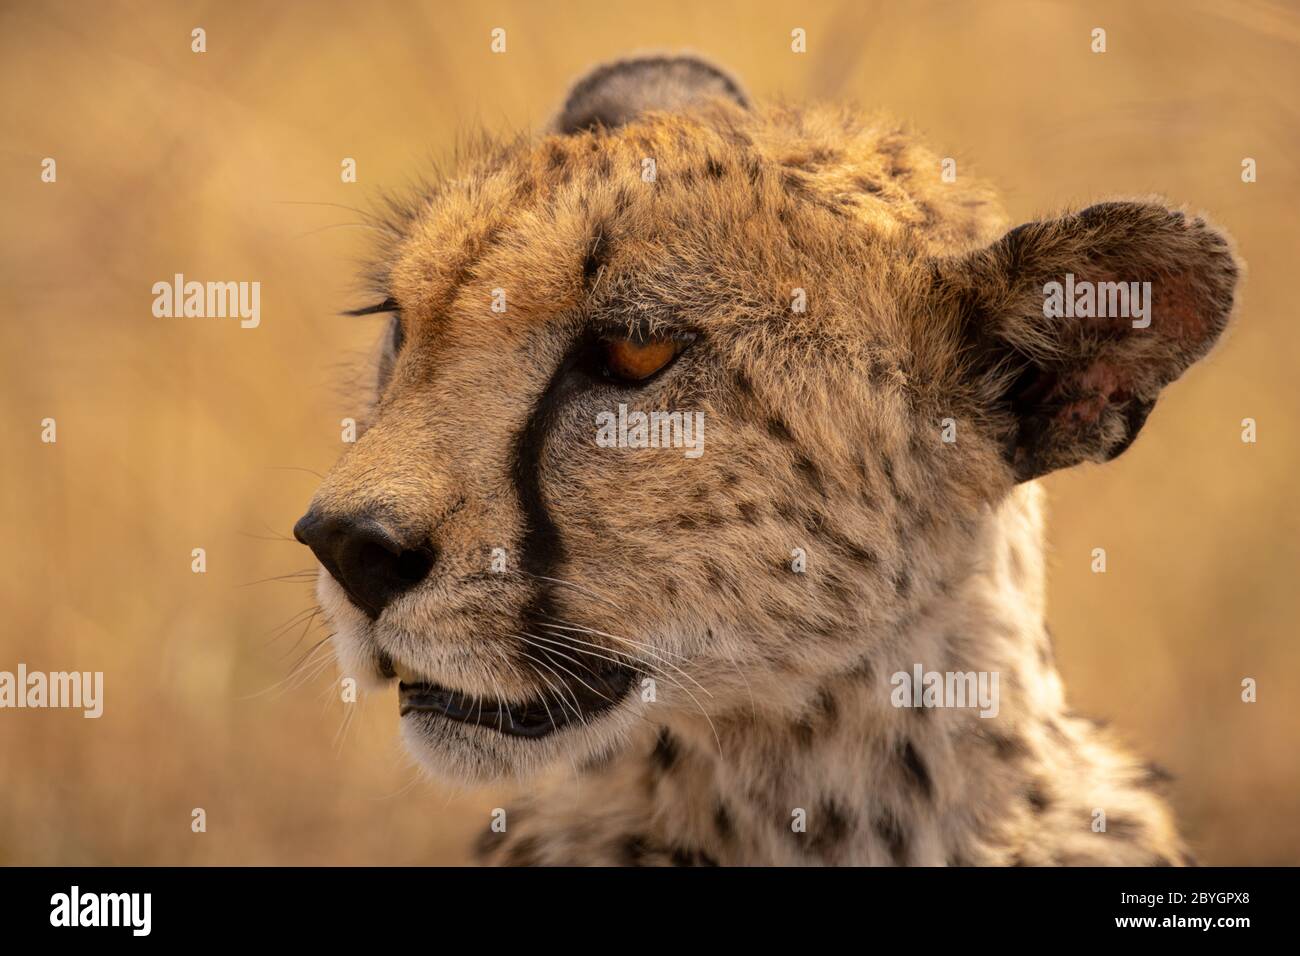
point(771, 688)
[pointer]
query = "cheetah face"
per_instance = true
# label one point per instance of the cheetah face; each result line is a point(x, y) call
point(796, 310)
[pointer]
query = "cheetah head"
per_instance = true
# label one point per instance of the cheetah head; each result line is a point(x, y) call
point(690, 403)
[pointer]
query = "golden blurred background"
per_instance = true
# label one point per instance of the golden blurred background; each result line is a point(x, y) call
point(175, 434)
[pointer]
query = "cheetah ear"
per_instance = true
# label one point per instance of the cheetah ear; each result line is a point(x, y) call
point(617, 93)
point(1077, 323)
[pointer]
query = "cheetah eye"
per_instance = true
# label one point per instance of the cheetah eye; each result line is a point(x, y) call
point(637, 358)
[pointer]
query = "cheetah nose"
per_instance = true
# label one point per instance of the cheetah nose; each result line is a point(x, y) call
point(370, 560)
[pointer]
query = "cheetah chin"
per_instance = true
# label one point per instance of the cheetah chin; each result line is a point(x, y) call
point(592, 695)
point(439, 724)
point(462, 723)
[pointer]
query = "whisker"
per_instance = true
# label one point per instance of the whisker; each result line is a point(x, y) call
point(295, 468)
point(308, 202)
point(641, 665)
point(652, 651)
point(276, 631)
point(577, 587)
point(587, 667)
point(549, 715)
point(305, 576)
point(576, 708)
point(337, 225)
point(307, 625)
point(613, 660)
point(684, 690)
point(569, 625)
point(573, 763)
point(341, 734)
point(302, 672)
point(264, 537)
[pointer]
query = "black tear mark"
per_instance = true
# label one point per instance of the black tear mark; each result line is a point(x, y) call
point(541, 547)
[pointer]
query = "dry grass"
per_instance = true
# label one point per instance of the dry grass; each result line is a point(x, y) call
point(183, 434)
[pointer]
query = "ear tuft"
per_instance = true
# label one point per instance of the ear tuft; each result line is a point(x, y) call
point(617, 93)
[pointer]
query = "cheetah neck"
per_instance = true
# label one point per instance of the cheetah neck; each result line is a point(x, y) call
point(853, 777)
point(843, 776)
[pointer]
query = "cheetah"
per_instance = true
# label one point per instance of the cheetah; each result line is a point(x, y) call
point(695, 660)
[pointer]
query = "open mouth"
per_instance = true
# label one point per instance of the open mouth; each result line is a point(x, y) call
point(573, 700)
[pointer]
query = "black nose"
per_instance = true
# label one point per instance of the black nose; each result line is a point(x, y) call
point(366, 556)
